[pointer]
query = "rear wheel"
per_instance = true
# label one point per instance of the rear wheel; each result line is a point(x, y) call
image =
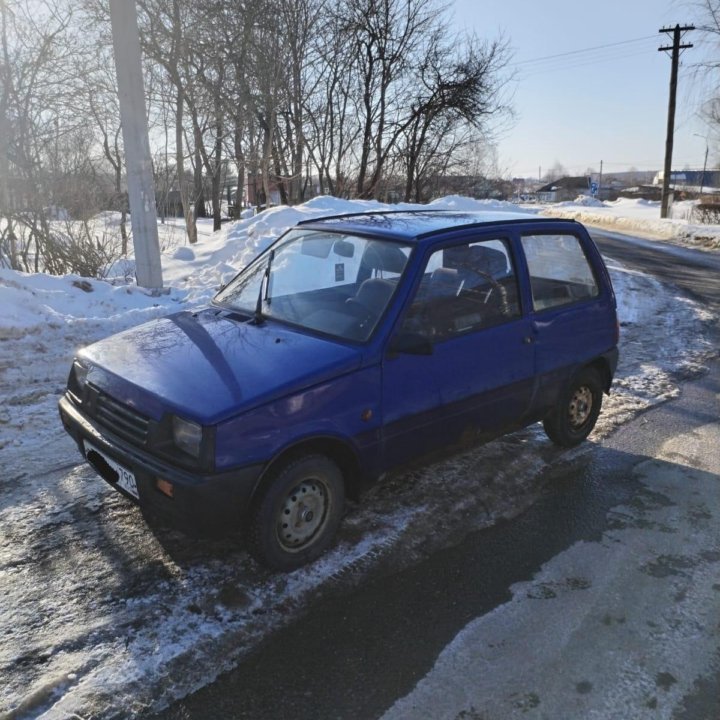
point(577, 409)
point(296, 512)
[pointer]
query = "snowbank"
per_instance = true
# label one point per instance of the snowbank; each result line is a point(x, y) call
point(640, 217)
point(192, 274)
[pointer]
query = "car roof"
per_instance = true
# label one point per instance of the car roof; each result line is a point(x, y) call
point(409, 225)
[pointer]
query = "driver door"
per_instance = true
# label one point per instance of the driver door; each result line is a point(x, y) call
point(480, 375)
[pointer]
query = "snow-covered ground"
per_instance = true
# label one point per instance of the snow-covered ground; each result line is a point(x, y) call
point(100, 614)
point(641, 217)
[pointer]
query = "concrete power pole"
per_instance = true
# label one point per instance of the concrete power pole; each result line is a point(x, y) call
point(676, 47)
point(126, 46)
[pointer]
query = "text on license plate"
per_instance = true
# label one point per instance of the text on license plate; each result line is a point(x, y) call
point(102, 462)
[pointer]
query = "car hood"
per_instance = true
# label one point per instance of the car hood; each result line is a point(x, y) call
point(210, 365)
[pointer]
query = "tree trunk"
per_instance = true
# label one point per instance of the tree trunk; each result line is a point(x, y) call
point(188, 210)
point(198, 185)
point(217, 174)
point(267, 153)
point(5, 210)
point(240, 163)
point(280, 174)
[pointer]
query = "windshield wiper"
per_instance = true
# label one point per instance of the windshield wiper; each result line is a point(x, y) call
point(258, 318)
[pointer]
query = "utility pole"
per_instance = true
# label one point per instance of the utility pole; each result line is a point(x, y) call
point(141, 189)
point(600, 182)
point(676, 47)
point(707, 147)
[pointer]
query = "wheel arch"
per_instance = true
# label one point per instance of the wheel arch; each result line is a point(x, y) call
point(338, 450)
point(602, 367)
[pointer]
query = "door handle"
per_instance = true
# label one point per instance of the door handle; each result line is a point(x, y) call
point(528, 340)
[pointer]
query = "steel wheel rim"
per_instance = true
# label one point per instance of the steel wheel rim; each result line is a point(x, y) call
point(303, 515)
point(580, 407)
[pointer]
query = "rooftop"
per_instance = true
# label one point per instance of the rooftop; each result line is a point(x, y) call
point(408, 225)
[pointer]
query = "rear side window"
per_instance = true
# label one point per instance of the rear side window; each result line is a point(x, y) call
point(560, 273)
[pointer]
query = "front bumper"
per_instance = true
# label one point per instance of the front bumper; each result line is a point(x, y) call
point(201, 502)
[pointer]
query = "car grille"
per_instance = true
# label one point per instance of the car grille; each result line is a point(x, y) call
point(122, 420)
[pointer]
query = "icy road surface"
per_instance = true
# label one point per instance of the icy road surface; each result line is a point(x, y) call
point(622, 627)
point(101, 616)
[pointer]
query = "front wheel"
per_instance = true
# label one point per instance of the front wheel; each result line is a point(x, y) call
point(296, 512)
point(577, 409)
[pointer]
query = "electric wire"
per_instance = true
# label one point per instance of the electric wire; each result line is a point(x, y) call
point(598, 54)
point(584, 63)
point(584, 50)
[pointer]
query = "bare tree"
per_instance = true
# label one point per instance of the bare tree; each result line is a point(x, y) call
point(267, 91)
point(332, 127)
point(385, 36)
point(460, 91)
point(374, 97)
point(165, 37)
point(232, 30)
point(707, 75)
point(301, 21)
point(44, 146)
point(99, 101)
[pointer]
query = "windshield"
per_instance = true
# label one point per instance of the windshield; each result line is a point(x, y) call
point(334, 283)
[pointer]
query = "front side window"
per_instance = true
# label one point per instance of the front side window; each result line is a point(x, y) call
point(559, 270)
point(464, 288)
point(335, 283)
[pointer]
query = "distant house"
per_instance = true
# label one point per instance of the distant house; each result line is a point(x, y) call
point(692, 178)
point(566, 188)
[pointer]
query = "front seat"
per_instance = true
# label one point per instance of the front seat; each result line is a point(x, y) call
point(373, 296)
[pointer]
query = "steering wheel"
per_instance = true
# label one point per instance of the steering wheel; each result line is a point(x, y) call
point(495, 287)
point(362, 313)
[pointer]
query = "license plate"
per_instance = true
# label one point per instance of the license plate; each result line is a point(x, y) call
point(125, 479)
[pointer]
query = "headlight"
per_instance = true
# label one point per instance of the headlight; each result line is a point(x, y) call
point(187, 436)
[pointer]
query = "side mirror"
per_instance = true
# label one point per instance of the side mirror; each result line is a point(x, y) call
point(411, 343)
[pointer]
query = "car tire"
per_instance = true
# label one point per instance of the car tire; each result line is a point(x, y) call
point(576, 412)
point(296, 512)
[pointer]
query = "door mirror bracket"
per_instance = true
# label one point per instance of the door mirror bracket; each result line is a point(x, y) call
point(411, 343)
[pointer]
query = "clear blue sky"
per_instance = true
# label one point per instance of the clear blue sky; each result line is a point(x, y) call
point(609, 104)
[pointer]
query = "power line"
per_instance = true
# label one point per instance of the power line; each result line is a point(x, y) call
point(584, 50)
point(596, 55)
point(585, 62)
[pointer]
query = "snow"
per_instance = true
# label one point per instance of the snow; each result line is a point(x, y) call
point(637, 216)
point(133, 618)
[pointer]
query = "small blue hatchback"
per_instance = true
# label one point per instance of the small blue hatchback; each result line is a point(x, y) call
point(353, 345)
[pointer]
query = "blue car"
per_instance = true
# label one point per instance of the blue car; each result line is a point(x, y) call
point(353, 345)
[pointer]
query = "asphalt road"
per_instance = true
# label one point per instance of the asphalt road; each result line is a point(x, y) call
point(355, 655)
point(695, 271)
